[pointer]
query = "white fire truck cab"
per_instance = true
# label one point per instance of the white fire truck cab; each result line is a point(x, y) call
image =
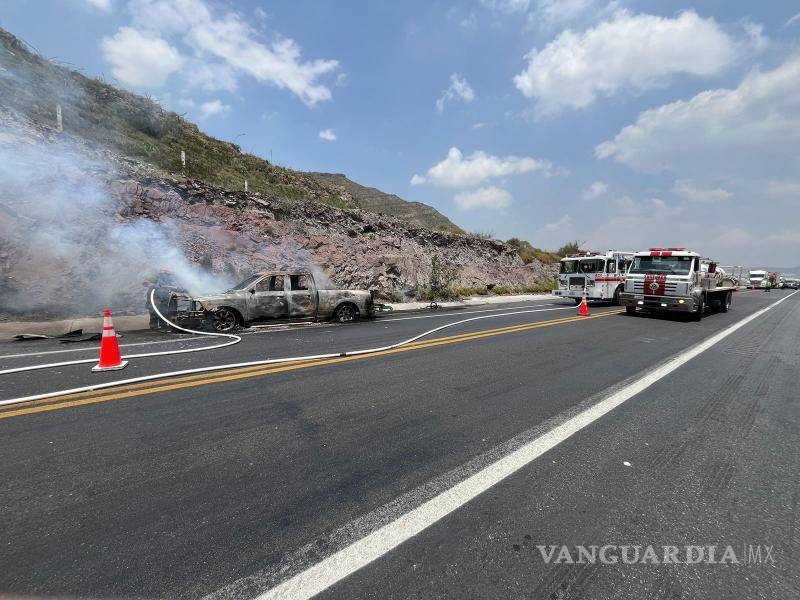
point(676, 279)
point(601, 273)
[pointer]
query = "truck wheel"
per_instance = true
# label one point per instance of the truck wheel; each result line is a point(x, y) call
point(346, 313)
point(630, 310)
point(697, 315)
point(726, 302)
point(617, 292)
point(225, 319)
point(577, 301)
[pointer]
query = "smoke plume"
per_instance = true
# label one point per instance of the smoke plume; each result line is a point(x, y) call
point(64, 250)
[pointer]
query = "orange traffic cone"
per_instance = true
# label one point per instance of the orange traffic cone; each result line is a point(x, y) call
point(583, 309)
point(110, 359)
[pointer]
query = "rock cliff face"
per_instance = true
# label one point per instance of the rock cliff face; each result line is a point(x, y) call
point(237, 233)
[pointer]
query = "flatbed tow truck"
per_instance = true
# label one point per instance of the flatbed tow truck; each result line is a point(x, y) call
point(676, 280)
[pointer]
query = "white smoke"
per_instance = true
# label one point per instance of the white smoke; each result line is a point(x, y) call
point(63, 247)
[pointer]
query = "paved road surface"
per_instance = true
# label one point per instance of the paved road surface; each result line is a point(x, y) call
point(229, 484)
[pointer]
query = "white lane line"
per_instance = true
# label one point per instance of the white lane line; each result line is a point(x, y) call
point(347, 561)
point(470, 312)
point(95, 347)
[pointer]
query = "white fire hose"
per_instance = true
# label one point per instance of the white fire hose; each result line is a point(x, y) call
point(234, 339)
point(271, 361)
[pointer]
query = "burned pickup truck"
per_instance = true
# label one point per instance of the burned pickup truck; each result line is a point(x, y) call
point(278, 295)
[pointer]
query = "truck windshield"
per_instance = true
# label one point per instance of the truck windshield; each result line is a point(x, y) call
point(590, 265)
point(245, 284)
point(568, 266)
point(671, 265)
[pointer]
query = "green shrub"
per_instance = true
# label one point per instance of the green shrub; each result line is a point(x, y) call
point(570, 248)
point(529, 253)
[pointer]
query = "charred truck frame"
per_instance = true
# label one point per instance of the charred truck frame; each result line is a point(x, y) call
point(272, 295)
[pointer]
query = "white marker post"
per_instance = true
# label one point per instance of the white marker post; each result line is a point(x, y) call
point(183, 160)
point(59, 121)
point(245, 185)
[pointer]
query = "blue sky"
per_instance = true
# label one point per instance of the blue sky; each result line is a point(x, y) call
point(624, 124)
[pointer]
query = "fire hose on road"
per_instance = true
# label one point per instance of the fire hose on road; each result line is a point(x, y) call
point(271, 361)
point(233, 339)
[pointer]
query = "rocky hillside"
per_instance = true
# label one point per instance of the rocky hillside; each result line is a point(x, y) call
point(88, 213)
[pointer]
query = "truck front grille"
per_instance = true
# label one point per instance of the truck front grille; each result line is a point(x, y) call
point(579, 281)
point(670, 287)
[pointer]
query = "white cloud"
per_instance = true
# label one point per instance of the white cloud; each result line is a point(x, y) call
point(261, 14)
point(212, 108)
point(756, 40)
point(564, 222)
point(507, 6)
point(328, 134)
point(101, 4)
point(650, 207)
point(491, 197)
point(140, 59)
point(792, 20)
point(211, 76)
point(685, 188)
point(553, 12)
point(228, 40)
point(459, 89)
point(479, 125)
point(627, 51)
point(746, 133)
point(455, 171)
point(597, 189)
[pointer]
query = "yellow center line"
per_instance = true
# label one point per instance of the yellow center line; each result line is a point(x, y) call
point(146, 388)
point(261, 368)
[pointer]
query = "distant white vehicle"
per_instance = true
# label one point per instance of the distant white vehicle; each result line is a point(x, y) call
point(758, 278)
point(602, 274)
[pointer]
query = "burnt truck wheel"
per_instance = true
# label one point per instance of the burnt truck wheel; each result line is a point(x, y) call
point(225, 319)
point(726, 302)
point(346, 313)
point(630, 310)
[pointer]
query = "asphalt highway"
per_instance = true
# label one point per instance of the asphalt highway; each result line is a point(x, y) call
point(229, 484)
